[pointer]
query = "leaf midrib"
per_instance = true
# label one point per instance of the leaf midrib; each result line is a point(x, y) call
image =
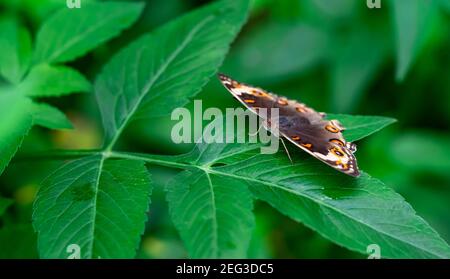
point(214, 220)
point(94, 206)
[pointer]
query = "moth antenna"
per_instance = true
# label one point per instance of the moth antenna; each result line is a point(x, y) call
point(287, 152)
point(255, 133)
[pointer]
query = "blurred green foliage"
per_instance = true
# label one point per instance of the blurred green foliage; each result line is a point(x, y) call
point(335, 55)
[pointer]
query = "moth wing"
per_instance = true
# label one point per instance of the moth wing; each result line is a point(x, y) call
point(329, 147)
point(301, 125)
point(251, 97)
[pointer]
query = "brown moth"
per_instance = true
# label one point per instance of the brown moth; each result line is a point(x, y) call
point(301, 125)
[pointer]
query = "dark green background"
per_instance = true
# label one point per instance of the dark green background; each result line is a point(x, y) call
point(336, 56)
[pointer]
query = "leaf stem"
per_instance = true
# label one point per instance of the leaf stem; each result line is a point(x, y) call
point(58, 155)
point(161, 160)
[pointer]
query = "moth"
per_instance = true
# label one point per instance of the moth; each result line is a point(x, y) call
point(301, 125)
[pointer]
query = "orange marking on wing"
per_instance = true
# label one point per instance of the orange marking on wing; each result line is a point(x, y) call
point(300, 109)
point(339, 163)
point(249, 101)
point(338, 142)
point(296, 138)
point(337, 151)
point(331, 128)
point(307, 145)
point(282, 102)
point(259, 93)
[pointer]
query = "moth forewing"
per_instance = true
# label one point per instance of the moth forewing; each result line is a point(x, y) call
point(301, 125)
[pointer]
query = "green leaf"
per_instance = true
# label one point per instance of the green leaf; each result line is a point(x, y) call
point(15, 50)
point(18, 242)
point(355, 63)
point(50, 117)
point(50, 81)
point(4, 204)
point(354, 213)
point(15, 123)
point(212, 213)
point(37, 11)
point(411, 19)
point(70, 33)
point(96, 203)
point(361, 126)
point(434, 152)
point(163, 69)
point(251, 57)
